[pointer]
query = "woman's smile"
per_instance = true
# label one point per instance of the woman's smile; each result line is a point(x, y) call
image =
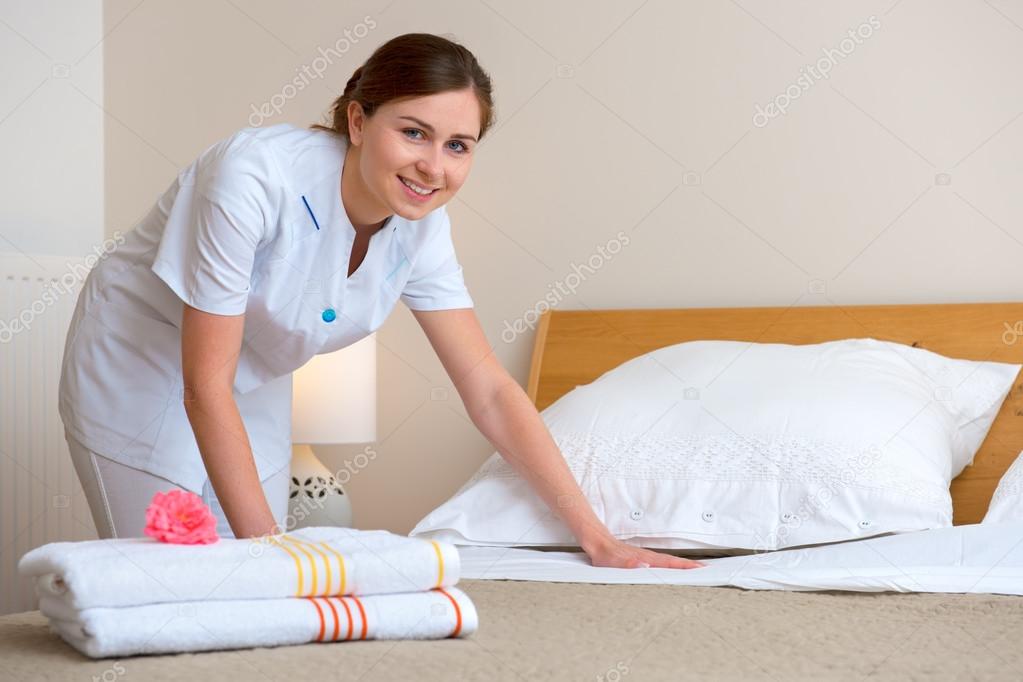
point(414, 191)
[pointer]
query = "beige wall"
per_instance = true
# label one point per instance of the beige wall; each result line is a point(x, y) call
point(51, 216)
point(895, 179)
point(51, 128)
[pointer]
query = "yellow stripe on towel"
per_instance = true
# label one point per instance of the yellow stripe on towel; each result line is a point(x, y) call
point(301, 545)
point(440, 563)
point(298, 561)
point(297, 544)
point(341, 563)
point(327, 589)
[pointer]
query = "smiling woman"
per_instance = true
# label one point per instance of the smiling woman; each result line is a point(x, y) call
point(274, 245)
point(178, 359)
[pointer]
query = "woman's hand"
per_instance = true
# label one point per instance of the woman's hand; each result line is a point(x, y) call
point(613, 553)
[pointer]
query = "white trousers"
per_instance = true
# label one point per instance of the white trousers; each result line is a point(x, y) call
point(119, 494)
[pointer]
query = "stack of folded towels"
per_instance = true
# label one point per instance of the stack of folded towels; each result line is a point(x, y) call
point(130, 596)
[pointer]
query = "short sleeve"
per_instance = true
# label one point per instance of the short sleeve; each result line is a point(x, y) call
point(436, 281)
point(216, 222)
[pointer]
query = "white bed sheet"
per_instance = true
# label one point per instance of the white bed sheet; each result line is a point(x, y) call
point(977, 558)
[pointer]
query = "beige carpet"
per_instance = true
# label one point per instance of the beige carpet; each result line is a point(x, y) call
point(532, 631)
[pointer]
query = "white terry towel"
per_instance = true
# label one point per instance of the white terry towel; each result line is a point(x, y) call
point(243, 623)
point(314, 561)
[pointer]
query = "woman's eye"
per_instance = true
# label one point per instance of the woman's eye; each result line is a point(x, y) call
point(464, 147)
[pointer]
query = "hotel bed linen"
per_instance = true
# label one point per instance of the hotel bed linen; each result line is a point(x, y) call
point(981, 558)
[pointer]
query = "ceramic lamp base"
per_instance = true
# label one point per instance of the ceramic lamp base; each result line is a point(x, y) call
point(316, 498)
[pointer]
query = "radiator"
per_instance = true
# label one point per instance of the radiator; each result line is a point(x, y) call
point(41, 499)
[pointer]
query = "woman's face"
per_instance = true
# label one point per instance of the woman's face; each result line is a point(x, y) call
point(427, 141)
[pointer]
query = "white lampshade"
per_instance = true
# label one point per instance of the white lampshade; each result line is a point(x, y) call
point(335, 396)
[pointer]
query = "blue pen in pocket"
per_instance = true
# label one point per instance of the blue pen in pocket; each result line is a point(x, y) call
point(311, 215)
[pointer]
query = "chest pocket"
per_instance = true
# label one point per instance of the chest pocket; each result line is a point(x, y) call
point(399, 274)
point(284, 326)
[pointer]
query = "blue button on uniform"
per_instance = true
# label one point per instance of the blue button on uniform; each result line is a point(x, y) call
point(329, 315)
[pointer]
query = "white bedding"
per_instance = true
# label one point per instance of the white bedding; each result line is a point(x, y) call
point(979, 558)
point(793, 446)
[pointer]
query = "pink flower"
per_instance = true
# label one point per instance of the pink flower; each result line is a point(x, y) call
point(180, 517)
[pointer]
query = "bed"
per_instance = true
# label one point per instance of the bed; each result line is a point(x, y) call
point(553, 630)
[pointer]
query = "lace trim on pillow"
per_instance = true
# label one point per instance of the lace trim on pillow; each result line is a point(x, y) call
point(729, 457)
point(1011, 483)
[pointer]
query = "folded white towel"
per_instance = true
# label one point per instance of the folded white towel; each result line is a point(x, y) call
point(314, 561)
point(242, 623)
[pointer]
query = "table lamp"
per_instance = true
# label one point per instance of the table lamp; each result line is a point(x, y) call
point(334, 401)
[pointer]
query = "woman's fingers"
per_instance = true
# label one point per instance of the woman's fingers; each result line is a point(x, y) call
point(618, 554)
point(658, 560)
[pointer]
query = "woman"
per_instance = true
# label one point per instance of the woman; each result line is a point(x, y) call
point(274, 245)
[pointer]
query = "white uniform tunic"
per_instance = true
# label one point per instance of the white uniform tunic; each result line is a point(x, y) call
point(255, 225)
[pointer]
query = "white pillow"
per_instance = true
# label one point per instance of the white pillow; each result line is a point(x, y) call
point(1007, 502)
point(727, 444)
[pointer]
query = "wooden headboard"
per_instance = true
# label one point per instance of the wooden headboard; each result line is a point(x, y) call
point(574, 347)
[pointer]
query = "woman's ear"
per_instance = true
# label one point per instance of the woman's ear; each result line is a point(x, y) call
point(356, 120)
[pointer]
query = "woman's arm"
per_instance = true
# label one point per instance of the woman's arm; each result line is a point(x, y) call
point(210, 345)
point(504, 414)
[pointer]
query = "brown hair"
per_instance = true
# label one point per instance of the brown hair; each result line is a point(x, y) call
point(412, 65)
